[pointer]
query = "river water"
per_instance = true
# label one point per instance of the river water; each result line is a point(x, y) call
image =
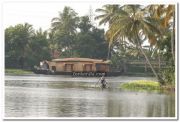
point(66, 96)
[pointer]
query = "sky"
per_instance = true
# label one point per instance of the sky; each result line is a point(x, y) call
point(40, 14)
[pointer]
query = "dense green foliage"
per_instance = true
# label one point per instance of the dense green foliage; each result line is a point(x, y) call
point(131, 27)
point(168, 76)
point(24, 47)
point(69, 36)
point(90, 40)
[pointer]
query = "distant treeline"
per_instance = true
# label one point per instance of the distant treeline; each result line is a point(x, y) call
point(130, 27)
point(69, 36)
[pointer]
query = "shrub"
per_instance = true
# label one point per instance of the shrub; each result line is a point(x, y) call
point(168, 76)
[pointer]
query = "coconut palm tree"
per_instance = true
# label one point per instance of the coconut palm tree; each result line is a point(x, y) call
point(168, 21)
point(133, 25)
point(64, 28)
point(166, 15)
point(66, 22)
point(107, 13)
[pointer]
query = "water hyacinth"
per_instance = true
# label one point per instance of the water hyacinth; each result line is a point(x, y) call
point(141, 85)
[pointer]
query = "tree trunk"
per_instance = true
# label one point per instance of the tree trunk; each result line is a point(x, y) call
point(145, 66)
point(148, 61)
point(109, 51)
point(173, 39)
point(159, 60)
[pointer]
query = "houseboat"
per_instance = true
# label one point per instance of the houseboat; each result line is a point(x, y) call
point(76, 67)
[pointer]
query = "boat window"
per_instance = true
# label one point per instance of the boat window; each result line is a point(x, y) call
point(53, 68)
point(87, 67)
point(101, 67)
point(68, 67)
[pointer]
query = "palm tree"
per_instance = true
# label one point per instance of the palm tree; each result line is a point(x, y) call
point(22, 39)
point(64, 28)
point(166, 16)
point(133, 25)
point(166, 25)
point(66, 22)
point(108, 13)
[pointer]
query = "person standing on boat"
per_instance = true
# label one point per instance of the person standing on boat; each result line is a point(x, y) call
point(103, 82)
point(44, 65)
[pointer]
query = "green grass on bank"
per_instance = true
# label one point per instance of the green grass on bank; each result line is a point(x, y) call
point(146, 85)
point(17, 71)
point(141, 85)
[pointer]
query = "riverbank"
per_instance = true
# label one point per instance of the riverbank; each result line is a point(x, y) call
point(26, 72)
point(138, 74)
point(146, 85)
point(17, 72)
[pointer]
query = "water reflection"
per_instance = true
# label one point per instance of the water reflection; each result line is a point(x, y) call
point(30, 98)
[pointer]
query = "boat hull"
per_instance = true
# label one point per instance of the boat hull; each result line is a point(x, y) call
point(77, 74)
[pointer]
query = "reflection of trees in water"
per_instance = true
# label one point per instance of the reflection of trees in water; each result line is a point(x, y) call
point(143, 105)
point(24, 103)
point(59, 107)
point(162, 107)
point(169, 105)
point(90, 108)
point(76, 105)
point(114, 109)
point(150, 109)
point(15, 105)
point(75, 102)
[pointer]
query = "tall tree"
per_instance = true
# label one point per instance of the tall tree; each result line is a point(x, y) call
point(65, 28)
point(166, 15)
point(53, 45)
point(91, 39)
point(132, 24)
point(17, 40)
point(39, 47)
point(108, 12)
point(67, 21)
point(84, 24)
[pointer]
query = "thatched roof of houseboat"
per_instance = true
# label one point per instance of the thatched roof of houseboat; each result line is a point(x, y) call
point(79, 60)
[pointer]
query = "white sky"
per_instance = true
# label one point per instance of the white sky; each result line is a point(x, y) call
point(40, 14)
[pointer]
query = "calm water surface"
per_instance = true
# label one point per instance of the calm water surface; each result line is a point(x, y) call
point(65, 96)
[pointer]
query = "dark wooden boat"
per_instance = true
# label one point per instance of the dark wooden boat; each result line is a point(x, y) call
point(78, 74)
